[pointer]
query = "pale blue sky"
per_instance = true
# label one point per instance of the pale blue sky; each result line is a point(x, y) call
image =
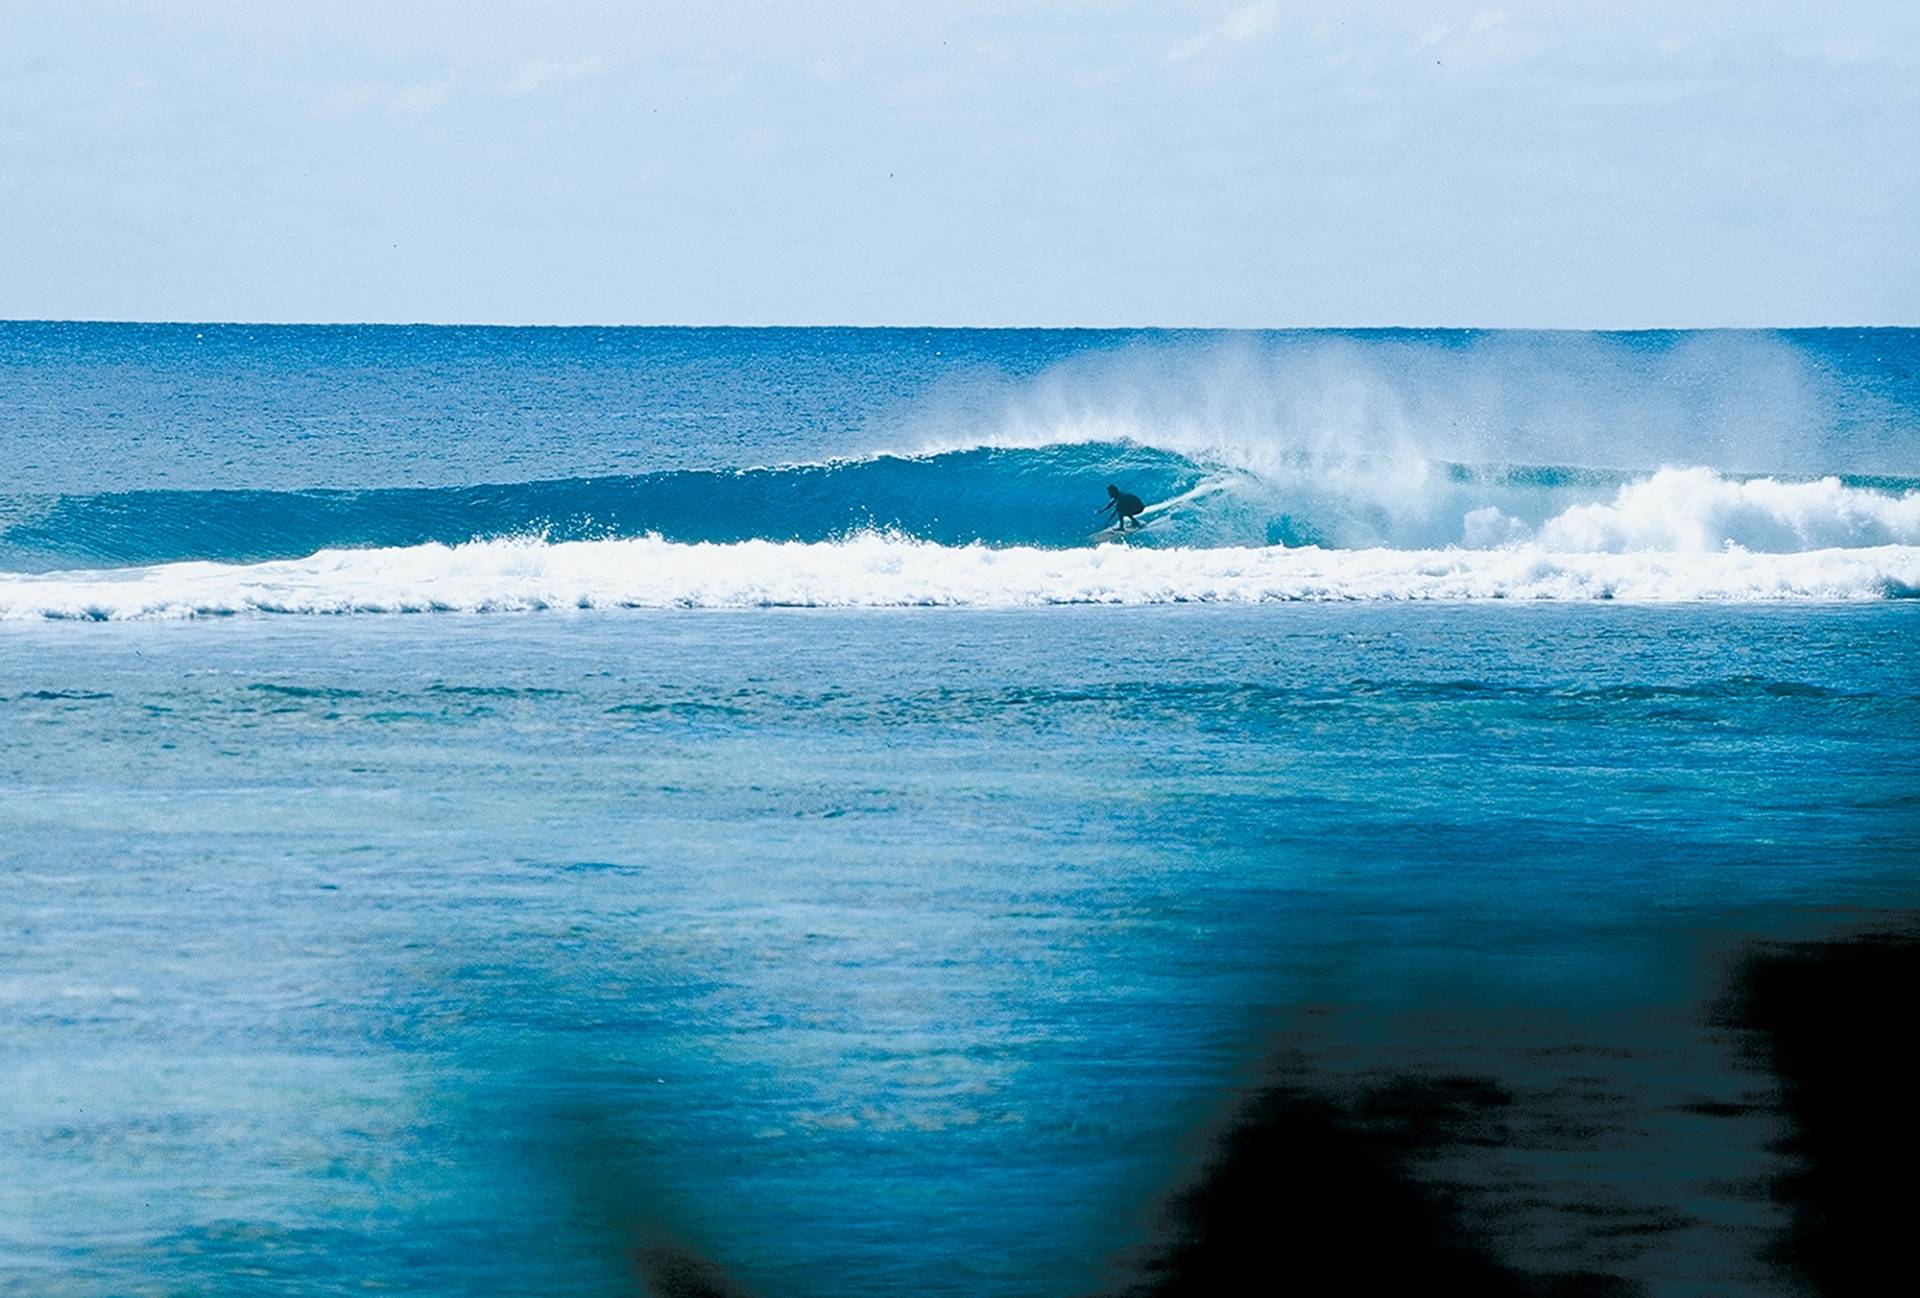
point(1266, 163)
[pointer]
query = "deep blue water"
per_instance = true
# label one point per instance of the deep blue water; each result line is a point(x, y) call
point(917, 950)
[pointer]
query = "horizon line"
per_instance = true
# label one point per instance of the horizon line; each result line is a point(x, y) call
point(946, 328)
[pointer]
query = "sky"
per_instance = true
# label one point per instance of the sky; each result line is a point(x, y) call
point(1604, 164)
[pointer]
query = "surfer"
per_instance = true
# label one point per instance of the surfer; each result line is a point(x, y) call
point(1124, 505)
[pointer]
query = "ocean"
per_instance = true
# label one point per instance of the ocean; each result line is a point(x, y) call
point(706, 811)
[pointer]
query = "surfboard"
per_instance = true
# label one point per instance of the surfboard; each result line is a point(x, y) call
point(1197, 493)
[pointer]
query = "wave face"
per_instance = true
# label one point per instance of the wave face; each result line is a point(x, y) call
point(1009, 497)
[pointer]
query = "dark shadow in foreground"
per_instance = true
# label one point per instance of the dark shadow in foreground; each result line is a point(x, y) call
point(675, 1273)
point(1316, 1196)
point(1834, 1020)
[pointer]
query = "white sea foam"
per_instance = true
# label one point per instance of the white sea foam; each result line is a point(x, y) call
point(1698, 509)
point(877, 571)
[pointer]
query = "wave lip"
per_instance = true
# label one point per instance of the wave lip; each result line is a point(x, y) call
point(873, 570)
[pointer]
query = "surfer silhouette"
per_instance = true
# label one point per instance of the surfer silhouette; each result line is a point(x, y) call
point(1124, 505)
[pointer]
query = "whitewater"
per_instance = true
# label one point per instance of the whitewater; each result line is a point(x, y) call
point(883, 571)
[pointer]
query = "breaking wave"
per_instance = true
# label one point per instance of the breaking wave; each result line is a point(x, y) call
point(1043, 497)
point(1309, 481)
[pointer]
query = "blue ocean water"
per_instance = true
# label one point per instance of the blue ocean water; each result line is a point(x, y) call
point(782, 843)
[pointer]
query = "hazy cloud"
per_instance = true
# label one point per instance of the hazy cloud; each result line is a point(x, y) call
point(346, 100)
point(423, 97)
point(1635, 163)
point(536, 73)
point(1247, 23)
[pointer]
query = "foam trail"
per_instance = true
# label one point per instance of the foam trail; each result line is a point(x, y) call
point(888, 571)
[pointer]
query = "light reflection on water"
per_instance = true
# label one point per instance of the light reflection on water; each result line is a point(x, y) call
point(898, 952)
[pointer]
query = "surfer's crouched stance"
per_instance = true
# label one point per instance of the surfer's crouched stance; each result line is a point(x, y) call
point(1124, 505)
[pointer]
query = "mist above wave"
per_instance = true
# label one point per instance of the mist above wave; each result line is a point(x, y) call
point(1751, 403)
